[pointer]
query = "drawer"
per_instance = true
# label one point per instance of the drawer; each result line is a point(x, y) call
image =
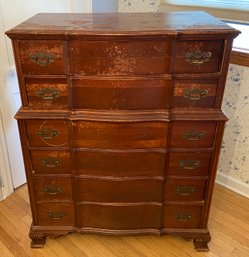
point(106, 190)
point(123, 57)
point(56, 214)
point(189, 164)
point(47, 93)
point(182, 216)
point(120, 94)
point(50, 162)
point(194, 93)
point(193, 134)
point(47, 189)
point(194, 56)
point(120, 217)
point(120, 135)
point(41, 56)
point(184, 190)
point(47, 132)
point(119, 163)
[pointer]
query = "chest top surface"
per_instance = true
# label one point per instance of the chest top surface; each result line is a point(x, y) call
point(172, 23)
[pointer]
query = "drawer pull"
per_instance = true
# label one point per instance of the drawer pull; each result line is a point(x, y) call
point(197, 57)
point(193, 135)
point(50, 162)
point(195, 94)
point(56, 215)
point(48, 93)
point(183, 216)
point(48, 133)
point(52, 189)
point(42, 59)
point(189, 164)
point(185, 190)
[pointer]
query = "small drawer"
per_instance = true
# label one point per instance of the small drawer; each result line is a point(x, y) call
point(194, 93)
point(120, 135)
point(106, 190)
point(189, 164)
point(50, 162)
point(129, 57)
point(193, 134)
point(184, 190)
point(120, 94)
point(47, 132)
point(41, 57)
point(119, 163)
point(194, 56)
point(47, 189)
point(56, 214)
point(182, 216)
point(47, 93)
point(146, 216)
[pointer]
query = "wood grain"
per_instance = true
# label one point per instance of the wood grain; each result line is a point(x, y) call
point(227, 240)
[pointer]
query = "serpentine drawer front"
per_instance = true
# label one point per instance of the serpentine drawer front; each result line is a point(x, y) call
point(120, 122)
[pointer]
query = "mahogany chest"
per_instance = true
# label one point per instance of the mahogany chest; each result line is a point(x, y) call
point(121, 122)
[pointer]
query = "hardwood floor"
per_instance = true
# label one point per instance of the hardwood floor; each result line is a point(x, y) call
point(229, 227)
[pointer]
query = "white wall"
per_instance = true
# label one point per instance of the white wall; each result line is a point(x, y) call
point(105, 6)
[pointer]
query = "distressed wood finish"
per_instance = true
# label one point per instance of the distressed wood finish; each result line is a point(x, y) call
point(120, 121)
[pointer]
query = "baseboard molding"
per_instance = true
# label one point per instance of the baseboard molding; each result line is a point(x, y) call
point(233, 184)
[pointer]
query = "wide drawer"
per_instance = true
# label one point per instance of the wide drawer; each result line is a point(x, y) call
point(41, 56)
point(194, 93)
point(56, 214)
point(146, 216)
point(47, 132)
point(119, 57)
point(122, 94)
point(188, 163)
point(47, 93)
point(182, 216)
point(197, 56)
point(127, 190)
point(119, 163)
point(120, 135)
point(47, 189)
point(193, 134)
point(50, 162)
point(184, 190)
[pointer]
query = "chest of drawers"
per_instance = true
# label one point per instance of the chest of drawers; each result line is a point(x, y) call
point(120, 121)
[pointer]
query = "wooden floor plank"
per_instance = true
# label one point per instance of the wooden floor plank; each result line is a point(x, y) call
point(229, 227)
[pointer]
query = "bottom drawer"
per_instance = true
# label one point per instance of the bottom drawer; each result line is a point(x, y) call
point(182, 216)
point(56, 214)
point(120, 217)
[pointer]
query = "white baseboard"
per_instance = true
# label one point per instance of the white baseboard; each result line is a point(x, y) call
point(233, 184)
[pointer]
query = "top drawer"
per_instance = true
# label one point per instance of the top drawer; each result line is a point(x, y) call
point(194, 56)
point(41, 57)
point(119, 57)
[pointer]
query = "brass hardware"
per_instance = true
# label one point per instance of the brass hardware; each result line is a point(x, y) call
point(42, 59)
point(183, 216)
point(56, 215)
point(197, 57)
point(48, 133)
point(52, 189)
point(193, 135)
point(185, 190)
point(195, 94)
point(189, 164)
point(48, 93)
point(50, 162)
